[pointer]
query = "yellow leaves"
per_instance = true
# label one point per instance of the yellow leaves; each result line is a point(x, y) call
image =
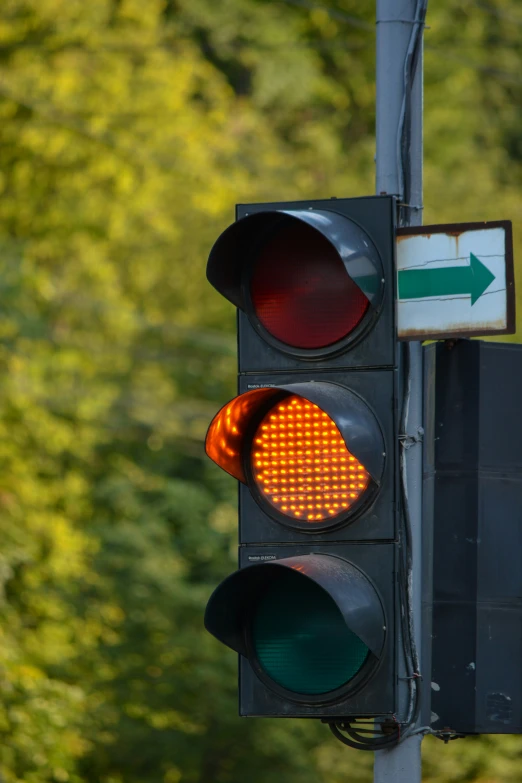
point(66, 82)
point(155, 442)
point(223, 518)
point(53, 644)
point(67, 547)
point(112, 614)
point(324, 22)
point(163, 719)
point(145, 18)
point(26, 674)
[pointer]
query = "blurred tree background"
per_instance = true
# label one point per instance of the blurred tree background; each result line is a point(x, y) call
point(128, 131)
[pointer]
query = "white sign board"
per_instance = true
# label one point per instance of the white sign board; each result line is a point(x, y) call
point(455, 280)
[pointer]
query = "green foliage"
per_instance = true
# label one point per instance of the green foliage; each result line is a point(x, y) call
point(128, 130)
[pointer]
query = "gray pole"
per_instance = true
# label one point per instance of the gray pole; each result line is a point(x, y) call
point(394, 19)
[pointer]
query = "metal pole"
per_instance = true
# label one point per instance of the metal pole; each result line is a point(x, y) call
point(395, 20)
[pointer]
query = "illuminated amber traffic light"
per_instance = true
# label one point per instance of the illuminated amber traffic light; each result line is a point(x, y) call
point(293, 450)
point(302, 465)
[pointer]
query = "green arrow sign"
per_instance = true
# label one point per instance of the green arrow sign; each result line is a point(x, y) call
point(446, 281)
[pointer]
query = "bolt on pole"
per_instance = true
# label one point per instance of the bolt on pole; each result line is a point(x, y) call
point(395, 20)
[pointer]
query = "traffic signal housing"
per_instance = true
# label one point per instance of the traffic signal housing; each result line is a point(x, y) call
point(312, 440)
point(313, 283)
point(313, 625)
point(312, 454)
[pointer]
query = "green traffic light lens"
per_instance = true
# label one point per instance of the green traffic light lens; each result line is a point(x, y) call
point(301, 640)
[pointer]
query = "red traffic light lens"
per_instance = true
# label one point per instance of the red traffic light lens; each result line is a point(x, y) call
point(301, 291)
point(301, 464)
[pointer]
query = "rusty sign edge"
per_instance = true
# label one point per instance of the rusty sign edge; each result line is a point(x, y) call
point(461, 228)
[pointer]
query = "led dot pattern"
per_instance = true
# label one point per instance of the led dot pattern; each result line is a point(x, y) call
point(302, 292)
point(301, 464)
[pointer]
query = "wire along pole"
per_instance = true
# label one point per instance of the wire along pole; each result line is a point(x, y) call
point(399, 77)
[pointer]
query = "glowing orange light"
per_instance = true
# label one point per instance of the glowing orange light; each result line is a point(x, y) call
point(315, 484)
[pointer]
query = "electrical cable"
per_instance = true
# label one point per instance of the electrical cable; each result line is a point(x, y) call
point(404, 128)
point(353, 740)
point(354, 735)
point(406, 555)
point(405, 548)
point(406, 558)
point(411, 62)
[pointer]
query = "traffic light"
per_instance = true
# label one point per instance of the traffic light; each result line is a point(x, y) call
point(312, 438)
point(312, 282)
